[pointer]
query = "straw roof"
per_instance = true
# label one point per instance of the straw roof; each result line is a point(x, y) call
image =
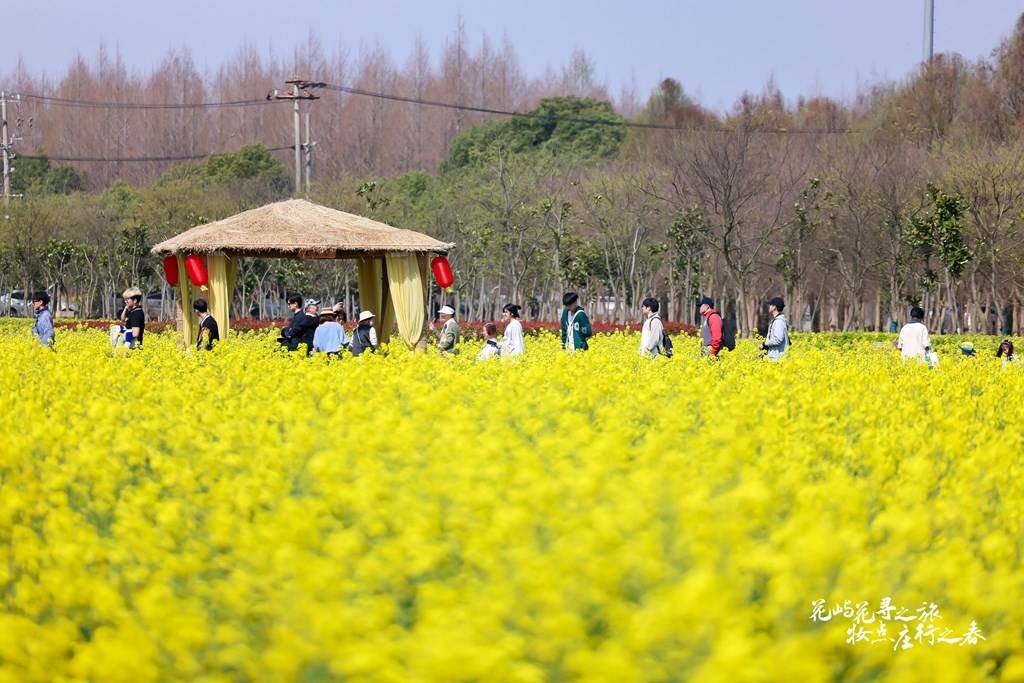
point(298, 228)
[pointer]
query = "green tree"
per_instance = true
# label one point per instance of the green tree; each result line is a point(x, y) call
point(35, 175)
point(579, 129)
point(937, 232)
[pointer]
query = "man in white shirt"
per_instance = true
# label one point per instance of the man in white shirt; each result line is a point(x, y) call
point(652, 331)
point(914, 341)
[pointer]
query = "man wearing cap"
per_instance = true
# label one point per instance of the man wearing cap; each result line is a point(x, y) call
point(365, 336)
point(576, 328)
point(330, 336)
point(777, 340)
point(710, 328)
point(448, 337)
point(43, 327)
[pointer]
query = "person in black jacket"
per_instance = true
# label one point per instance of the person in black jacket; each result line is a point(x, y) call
point(302, 326)
point(208, 330)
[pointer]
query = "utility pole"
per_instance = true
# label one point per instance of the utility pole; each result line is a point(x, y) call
point(299, 91)
point(929, 30)
point(5, 144)
point(309, 154)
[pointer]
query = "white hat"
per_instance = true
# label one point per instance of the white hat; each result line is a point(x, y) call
point(447, 310)
point(312, 302)
point(365, 315)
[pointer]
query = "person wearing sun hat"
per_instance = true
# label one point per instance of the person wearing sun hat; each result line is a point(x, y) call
point(330, 336)
point(365, 336)
point(448, 337)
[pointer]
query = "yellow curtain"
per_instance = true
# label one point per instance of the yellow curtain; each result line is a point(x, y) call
point(406, 288)
point(370, 286)
point(185, 299)
point(221, 269)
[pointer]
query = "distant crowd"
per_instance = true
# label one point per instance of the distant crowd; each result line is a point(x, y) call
point(315, 330)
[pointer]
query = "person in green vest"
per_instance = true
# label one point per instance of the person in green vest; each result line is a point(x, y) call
point(576, 329)
point(448, 336)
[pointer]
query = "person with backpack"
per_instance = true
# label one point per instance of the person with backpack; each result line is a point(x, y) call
point(710, 328)
point(364, 336)
point(777, 340)
point(652, 332)
point(576, 328)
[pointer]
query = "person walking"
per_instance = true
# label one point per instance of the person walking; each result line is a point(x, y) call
point(652, 332)
point(491, 348)
point(710, 328)
point(208, 330)
point(329, 337)
point(914, 341)
point(576, 327)
point(42, 329)
point(448, 337)
point(364, 336)
point(777, 340)
point(512, 341)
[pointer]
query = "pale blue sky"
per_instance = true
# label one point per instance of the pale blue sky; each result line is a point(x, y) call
point(717, 48)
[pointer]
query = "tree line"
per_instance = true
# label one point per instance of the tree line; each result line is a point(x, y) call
point(911, 193)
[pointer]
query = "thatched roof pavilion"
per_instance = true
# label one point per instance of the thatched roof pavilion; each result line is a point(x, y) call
point(392, 262)
point(298, 228)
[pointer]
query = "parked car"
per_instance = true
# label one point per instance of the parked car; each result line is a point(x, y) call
point(14, 303)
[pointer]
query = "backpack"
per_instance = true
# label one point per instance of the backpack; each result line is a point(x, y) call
point(666, 341)
point(360, 341)
point(728, 334)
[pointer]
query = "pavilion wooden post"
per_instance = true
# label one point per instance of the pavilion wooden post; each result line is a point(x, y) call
point(421, 259)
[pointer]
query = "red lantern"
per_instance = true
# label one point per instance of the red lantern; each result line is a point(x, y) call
point(442, 272)
point(196, 269)
point(171, 270)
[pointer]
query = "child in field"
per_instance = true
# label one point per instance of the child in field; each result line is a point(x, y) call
point(491, 348)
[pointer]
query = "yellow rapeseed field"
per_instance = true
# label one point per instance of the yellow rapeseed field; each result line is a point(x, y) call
point(246, 515)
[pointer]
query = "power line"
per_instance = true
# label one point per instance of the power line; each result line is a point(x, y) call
point(93, 104)
point(547, 117)
point(185, 157)
point(392, 97)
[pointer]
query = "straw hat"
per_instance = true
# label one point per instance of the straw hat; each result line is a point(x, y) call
point(447, 310)
point(327, 313)
point(365, 315)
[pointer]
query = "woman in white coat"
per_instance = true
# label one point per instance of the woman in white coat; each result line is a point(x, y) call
point(512, 341)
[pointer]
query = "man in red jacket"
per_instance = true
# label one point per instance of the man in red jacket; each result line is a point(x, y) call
point(710, 328)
